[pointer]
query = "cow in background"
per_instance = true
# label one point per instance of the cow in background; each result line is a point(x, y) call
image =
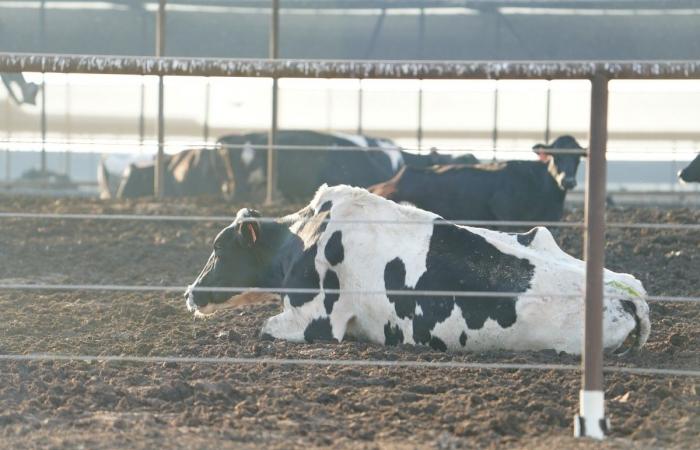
point(691, 173)
point(300, 171)
point(200, 171)
point(510, 190)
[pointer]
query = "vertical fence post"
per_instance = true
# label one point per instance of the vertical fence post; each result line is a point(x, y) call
point(67, 161)
point(548, 113)
point(494, 133)
point(359, 107)
point(159, 178)
point(272, 138)
point(43, 123)
point(207, 100)
point(419, 133)
point(8, 133)
point(591, 421)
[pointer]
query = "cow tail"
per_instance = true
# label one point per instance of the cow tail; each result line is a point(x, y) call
point(644, 324)
point(638, 307)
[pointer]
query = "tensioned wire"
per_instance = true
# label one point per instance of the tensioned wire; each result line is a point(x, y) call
point(199, 218)
point(238, 290)
point(337, 362)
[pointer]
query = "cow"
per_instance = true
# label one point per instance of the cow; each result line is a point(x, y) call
point(300, 171)
point(692, 172)
point(199, 171)
point(351, 263)
point(510, 190)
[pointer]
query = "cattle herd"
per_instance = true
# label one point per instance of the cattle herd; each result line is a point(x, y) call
point(364, 261)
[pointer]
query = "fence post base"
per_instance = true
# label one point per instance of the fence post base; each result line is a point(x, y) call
point(591, 421)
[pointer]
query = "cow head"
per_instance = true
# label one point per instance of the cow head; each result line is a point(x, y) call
point(692, 172)
point(562, 166)
point(235, 262)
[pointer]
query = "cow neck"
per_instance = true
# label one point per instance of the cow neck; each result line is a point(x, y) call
point(551, 171)
point(275, 248)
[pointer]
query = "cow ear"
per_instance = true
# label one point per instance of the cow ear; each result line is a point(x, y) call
point(249, 232)
point(248, 228)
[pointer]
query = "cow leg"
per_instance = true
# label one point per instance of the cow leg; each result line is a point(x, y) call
point(308, 323)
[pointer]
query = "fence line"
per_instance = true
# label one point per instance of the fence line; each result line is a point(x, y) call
point(338, 362)
point(239, 290)
point(413, 150)
point(473, 223)
point(286, 147)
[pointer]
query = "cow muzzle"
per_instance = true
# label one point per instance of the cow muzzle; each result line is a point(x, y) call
point(568, 183)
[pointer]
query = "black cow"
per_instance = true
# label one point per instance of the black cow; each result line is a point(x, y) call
point(692, 172)
point(511, 190)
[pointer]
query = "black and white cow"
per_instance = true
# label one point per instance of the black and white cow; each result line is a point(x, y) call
point(323, 247)
point(300, 171)
point(692, 172)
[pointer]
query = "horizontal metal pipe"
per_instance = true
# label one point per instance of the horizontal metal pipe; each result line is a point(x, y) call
point(291, 68)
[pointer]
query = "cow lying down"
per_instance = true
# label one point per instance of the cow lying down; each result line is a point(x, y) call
point(320, 248)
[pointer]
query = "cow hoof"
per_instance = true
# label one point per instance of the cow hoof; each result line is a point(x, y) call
point(267, 337)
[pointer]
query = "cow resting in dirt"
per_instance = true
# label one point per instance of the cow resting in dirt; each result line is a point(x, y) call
point(358, 269)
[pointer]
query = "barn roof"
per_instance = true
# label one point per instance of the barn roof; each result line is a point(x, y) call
point(363, 29)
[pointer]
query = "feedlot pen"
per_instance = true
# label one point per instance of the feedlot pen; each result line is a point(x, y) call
point(105, 404)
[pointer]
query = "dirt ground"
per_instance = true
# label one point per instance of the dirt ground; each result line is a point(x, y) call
point(137, 405)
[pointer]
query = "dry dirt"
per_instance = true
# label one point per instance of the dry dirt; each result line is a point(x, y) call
point(138, 405)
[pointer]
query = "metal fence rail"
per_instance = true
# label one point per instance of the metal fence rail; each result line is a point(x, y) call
point(294, 68)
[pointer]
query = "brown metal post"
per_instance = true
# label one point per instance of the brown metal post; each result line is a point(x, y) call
point(494, 134)
point(419, 133)
point(271, 151)
point(43, 123)
point(548, 112)
point(359, 107)
point(207, 100)
point(159, 181)
point(591, 421)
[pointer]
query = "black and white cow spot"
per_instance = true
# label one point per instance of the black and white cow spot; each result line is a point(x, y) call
point(392, 334)
point(459, 260)
point(319, 330)
point(463, 339)
point(303, 276)
point(395, 280)
point(330, 282)
point(334, 251)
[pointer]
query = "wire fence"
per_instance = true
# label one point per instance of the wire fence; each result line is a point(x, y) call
point(473, 223)
point(338, 362)
point(357, 292)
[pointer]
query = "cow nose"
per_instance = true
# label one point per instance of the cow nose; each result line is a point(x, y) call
point(569, 183)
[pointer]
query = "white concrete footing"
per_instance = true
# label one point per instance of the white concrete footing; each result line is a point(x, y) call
point(591, 421)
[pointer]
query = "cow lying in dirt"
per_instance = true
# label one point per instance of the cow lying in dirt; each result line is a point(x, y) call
point(320, 248)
